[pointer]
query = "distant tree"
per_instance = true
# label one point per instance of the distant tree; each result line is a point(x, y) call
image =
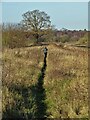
point(37, 22)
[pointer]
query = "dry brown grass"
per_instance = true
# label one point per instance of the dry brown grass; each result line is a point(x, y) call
point(66, 82)
point(21, 68)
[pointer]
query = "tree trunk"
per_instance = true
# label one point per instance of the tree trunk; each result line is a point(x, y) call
point(37, 37)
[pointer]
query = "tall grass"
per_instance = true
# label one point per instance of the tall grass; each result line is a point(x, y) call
point(21, 68)
point(66, 82)
point(61, 93)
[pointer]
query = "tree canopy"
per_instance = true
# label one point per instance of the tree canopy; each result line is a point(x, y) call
point(37, 22)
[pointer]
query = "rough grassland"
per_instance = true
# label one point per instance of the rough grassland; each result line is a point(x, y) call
point(21, 68)
point(64, 88)
point(66, 82)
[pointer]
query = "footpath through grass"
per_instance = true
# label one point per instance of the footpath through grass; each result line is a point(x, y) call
point(23, 92)
point(35, 89)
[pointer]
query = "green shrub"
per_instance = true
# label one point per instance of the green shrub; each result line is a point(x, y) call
point(64, 38)
point(83, 40)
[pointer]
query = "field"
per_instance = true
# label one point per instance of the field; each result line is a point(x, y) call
point(21, 69)
point(66, 82)
point(57, 89)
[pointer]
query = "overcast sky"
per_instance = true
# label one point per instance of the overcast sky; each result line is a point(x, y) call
point(70, 15)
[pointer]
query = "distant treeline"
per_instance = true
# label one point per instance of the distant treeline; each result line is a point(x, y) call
point(14, 35)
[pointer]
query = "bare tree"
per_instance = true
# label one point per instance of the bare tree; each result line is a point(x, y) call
point(37, 22)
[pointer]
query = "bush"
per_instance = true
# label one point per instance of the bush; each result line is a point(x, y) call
point(64, 38)
point(83, 40)
point(13, 36)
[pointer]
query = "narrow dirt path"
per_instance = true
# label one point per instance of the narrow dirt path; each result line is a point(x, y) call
point(33, 100)
point(41, 96)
